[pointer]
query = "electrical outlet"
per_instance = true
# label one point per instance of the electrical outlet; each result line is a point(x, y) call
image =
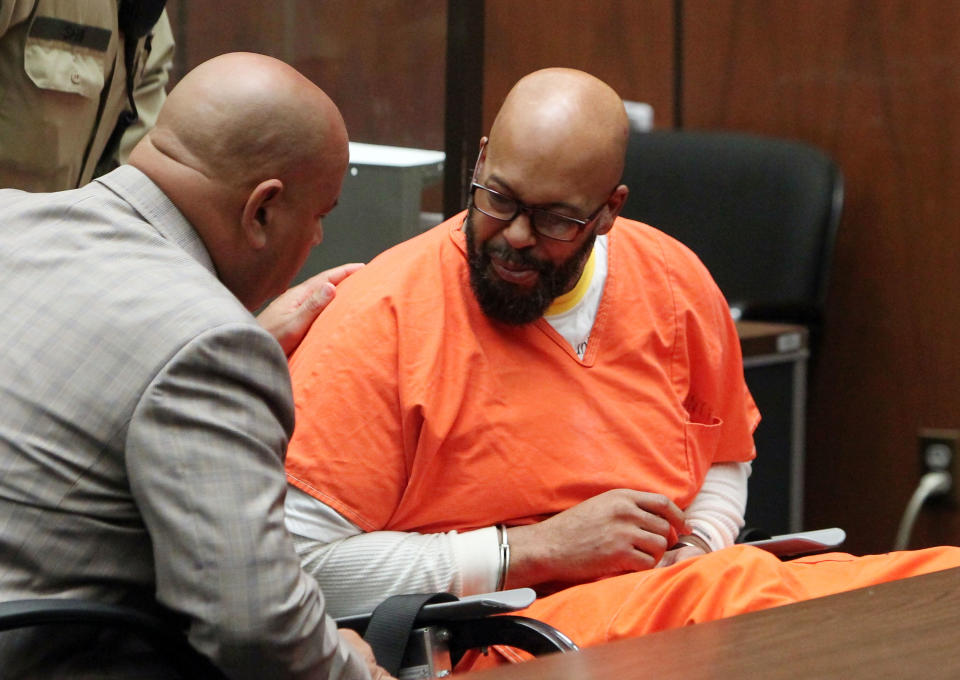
point(938, 452)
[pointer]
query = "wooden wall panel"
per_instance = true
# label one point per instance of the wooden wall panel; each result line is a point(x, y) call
point(381, 61)
point(203, 30)
point(877, 85)
point(385, 62)
point(626, 43)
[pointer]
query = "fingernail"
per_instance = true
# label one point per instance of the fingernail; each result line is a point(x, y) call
point(323, 296)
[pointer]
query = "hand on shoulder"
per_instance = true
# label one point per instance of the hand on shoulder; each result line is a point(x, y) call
point(289, 316)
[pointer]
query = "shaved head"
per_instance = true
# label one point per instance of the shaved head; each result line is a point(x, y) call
point(253, 154)
point(568, 120)
point(242, 116)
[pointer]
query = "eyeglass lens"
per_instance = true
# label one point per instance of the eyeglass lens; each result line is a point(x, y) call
point(544, 222)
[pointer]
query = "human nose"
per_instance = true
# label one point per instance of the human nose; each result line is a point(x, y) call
point(519, 232)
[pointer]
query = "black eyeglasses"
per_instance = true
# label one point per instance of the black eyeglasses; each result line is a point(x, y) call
point(545, 222)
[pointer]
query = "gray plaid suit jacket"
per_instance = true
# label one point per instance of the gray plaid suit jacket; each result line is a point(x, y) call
point(144, 416)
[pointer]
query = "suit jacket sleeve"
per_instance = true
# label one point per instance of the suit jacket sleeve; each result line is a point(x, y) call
point(205, 452)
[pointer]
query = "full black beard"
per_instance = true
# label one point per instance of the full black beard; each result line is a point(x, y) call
point(510, 303)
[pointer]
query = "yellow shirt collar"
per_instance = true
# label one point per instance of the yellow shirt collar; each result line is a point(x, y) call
point(569, 300)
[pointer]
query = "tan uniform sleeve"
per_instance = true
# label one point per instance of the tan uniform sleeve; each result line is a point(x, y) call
point(151, 89)
point(6, 11)
point(13, 12)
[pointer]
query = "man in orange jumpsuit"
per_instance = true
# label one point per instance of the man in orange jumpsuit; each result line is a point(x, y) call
point(540, 393)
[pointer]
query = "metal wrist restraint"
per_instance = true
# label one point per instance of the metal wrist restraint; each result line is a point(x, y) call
point(504, 561)
point(694, 541)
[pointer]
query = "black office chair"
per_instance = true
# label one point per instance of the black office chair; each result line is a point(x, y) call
point(761, 212)
point(417, 636)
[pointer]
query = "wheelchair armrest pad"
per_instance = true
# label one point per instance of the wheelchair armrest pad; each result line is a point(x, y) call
point(469, 607)
point(803, 542)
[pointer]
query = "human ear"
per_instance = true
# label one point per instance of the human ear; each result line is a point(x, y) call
point(259, 210)
point(614, 206)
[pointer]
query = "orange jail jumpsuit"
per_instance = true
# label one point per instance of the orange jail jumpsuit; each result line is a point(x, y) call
point(415, 412)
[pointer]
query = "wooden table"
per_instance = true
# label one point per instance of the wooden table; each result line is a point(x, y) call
point(903, 629)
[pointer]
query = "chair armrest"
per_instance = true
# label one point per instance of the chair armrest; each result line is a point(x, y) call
point(479, 621)
point(466, 608)
point(160, 634)
point(802, 542)
point(530, 635)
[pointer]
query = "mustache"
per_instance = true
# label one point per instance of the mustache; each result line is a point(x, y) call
point(514, 257)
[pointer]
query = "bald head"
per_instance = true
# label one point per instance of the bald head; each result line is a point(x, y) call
point(253, 154)
point(239, 117)
point(569, 119)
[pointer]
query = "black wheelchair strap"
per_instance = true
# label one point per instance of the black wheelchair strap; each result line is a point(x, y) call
point(391, 624)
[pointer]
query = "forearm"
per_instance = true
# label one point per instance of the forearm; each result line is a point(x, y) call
point(356, 574)
point(716, 513)
point(356, 570)
point(615, 532)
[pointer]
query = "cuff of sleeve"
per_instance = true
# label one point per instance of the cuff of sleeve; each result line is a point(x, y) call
point(706, 532)
point(478, 559)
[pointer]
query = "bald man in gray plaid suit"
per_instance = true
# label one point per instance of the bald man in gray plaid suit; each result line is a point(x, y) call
point(144, 413)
